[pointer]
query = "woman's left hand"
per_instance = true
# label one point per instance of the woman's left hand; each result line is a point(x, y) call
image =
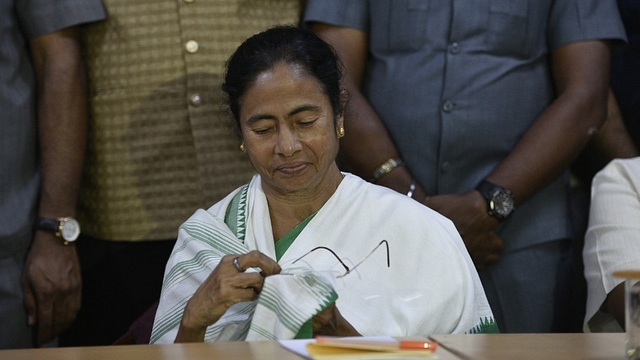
point(331, 323)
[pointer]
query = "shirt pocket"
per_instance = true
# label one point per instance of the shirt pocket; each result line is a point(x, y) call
point(398, 25)
point(508, 28)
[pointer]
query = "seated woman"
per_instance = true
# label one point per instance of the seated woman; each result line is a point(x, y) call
point(305, 249)
point(612, 242)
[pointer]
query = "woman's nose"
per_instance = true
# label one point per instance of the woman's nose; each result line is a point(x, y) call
point(288, 142)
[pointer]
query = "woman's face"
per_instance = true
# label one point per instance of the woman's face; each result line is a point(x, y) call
point(288, 129)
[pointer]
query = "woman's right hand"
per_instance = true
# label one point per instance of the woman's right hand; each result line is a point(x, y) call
point(225, 286)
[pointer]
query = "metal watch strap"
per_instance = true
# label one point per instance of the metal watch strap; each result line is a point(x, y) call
point(385, 168)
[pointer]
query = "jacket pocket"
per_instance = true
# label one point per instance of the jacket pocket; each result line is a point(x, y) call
point(508, 30)
point(398, 25)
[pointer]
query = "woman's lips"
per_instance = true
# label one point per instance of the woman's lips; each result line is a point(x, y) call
point(292, 168)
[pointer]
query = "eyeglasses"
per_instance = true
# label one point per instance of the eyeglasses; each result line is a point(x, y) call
point(346, 268)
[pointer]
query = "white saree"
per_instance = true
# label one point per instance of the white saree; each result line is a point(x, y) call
point(430, 287)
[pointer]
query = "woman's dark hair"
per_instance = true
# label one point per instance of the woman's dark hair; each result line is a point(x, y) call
point(281, 44)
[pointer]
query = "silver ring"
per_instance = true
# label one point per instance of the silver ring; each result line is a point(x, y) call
point(237, 265)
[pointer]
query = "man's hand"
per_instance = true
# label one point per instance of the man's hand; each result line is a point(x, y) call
point(52, 286)
point(469, 214)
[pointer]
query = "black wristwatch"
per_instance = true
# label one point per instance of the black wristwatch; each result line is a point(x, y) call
point(501, 201)
point(65, 228)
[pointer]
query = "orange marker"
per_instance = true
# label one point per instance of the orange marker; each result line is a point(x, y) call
point(363, 343)
point(418, 345)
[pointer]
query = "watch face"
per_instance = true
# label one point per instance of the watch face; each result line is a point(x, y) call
point(70, 229)
point(503, 204)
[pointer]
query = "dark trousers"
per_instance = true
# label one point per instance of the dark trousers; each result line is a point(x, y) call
point(120, 280)
point(529, 289)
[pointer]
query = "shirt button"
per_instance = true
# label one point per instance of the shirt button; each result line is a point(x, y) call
point(195, 100)
point(454, 48)
point(447, 106)
point(445, 167)
point(191, 46)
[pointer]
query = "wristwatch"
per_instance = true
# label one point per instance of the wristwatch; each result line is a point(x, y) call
point(500, 200)
point(65, 228)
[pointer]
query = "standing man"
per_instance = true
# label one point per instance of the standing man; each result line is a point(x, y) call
point(43, 114)
point(477, 109)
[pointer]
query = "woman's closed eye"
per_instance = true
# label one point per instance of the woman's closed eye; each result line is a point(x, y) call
point(307, 122)
point(263, 126)
point(262, 130)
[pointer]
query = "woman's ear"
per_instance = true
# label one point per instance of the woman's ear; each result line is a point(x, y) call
point(344, 98)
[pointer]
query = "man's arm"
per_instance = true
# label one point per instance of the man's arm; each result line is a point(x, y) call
point(51, 278)
point(581, 74)
point(611, 142)
point(366, 144)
